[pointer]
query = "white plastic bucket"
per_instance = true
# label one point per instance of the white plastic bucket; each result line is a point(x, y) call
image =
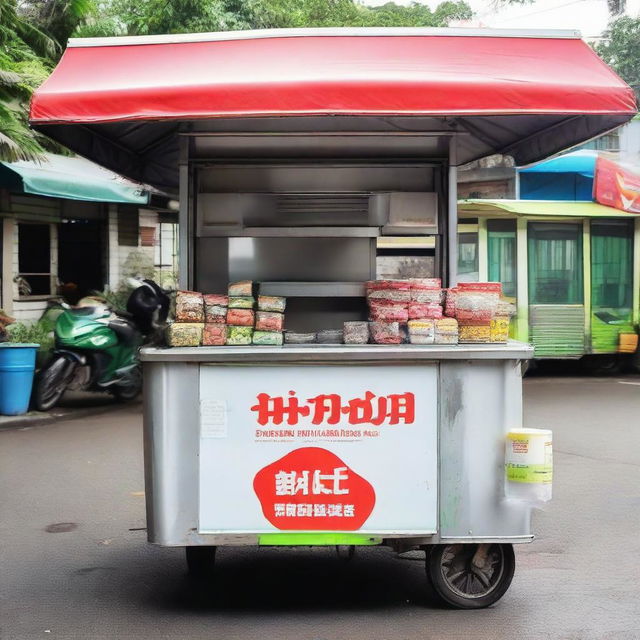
point(529, 464)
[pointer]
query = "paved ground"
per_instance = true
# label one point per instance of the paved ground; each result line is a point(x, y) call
point(74, 404)
point(97, 578)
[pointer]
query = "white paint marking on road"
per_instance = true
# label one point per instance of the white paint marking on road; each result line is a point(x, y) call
point(635, 384)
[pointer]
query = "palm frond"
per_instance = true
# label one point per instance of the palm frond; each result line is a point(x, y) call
point(9, 78)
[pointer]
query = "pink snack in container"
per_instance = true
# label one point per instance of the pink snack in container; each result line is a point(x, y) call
point(189, 306)
point(421, 311)
point(450, 302)
point(388, 312)
point(390, 295)
point(426, 296)
point(269, 321)
point(385, 332)
point(240, 317)
point(425, 283)
point(215, 308)
point(214, 335)
point(400, 285)
point(216, 299)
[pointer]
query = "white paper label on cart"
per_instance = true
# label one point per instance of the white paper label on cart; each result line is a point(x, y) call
point(323, 448)
point(213, 418)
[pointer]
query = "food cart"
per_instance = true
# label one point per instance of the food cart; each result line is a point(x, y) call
point(292, 152)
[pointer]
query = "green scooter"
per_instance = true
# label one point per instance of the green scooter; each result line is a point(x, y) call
point(97, 349)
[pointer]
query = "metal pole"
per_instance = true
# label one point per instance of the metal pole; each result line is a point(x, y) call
point(452, 215)
point(184, 228)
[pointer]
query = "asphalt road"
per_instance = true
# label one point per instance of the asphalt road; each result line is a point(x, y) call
point(96, 578)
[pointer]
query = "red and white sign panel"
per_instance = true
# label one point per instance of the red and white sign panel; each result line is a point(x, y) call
point(349, 448)
point(617, 186)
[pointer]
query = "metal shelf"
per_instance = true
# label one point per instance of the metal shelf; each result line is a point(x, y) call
point(313, 289)
point(289, 232)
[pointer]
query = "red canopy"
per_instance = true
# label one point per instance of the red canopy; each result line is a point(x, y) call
point(434, 73)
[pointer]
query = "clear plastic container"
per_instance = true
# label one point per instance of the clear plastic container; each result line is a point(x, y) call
point(356, 332)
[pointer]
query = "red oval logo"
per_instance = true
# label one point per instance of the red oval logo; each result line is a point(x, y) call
point(312, 489)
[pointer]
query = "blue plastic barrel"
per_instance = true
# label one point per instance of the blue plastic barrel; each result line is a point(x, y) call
point(17, 366)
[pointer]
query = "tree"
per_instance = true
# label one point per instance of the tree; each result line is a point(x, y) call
point(121, 17)
point(621, 50)
point(23, 53)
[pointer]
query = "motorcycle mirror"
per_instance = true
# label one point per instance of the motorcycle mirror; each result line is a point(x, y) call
point(134, 282)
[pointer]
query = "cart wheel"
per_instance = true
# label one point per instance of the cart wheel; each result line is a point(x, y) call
point(471, 576)
point(345, 552)
point(200, 561)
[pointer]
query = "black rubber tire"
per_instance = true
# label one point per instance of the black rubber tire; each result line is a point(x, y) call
point(602, 365)
point(200, 561)
point(439, 559)
point(50, 384)
point(126, 393)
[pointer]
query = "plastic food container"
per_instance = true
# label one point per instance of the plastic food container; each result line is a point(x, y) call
point(214, 335)
point(272, 338)
point(426, 296)
point(243, 302)
point(499, 329)
point(425, 283)
point(238, 336)
point(419, 311)
point(269, 321)
point(446, 331)
point(475, 307)
point(240, 317)
point(400, 285)
point(184, 334)
point(385, 332)
point(474, 333)
point(450, 302)
point(189, 306)
point(388, 312)
point(356, 332)
point(215, 313)
point(421, 331)
point(272, 303)
point(243, 288)
point(216, 299)
point(295, 337)
point(330, 336)
point(390, 295)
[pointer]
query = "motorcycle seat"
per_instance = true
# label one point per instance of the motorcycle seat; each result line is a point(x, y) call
point(125, 330)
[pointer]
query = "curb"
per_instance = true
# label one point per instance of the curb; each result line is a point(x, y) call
point(41, 418)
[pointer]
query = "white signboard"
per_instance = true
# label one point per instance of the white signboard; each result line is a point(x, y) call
point(318, 448)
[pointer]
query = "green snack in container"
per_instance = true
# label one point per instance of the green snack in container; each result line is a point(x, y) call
point(184, 334)
point(272, 338)
point(241, 302)
point(239, 336)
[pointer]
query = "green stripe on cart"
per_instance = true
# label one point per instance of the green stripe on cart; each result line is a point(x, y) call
point(316, 539)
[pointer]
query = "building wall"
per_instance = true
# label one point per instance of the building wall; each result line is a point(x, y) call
point(630, 139)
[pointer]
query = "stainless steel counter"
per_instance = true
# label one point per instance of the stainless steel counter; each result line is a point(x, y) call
point(321, 353)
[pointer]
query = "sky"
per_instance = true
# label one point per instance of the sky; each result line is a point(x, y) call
point(587, 16)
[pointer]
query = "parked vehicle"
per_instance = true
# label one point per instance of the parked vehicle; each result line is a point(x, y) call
point(571, 268)
point(96, 348)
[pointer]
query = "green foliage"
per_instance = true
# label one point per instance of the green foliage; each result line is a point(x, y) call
point(120, 17)
point(36, 332)
point(621, 50)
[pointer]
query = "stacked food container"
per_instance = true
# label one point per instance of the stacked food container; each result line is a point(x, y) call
point(418, 311)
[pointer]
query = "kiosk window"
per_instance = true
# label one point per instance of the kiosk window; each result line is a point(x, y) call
point(468, 257)
point(612, 263)
point(555, 263)
point(501, 236)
